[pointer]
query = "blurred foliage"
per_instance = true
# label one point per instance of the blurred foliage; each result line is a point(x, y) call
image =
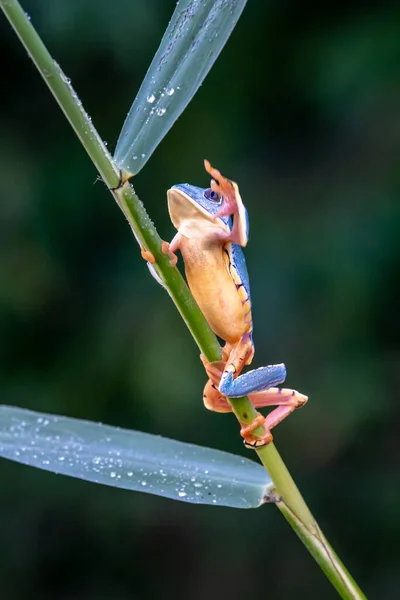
point(302, 110)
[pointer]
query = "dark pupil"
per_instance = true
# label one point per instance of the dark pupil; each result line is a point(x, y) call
point(211, 195)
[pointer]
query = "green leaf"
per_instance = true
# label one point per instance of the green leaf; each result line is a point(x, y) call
point(131, 459)
point(194, 38)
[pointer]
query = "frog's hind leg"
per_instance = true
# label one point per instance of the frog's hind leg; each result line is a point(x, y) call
point(234, 385)
point(225, 374)
point(259, 385)
point(285, 400)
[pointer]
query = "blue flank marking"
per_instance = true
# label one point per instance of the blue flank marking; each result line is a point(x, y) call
point(239, 262)
point(247, 222)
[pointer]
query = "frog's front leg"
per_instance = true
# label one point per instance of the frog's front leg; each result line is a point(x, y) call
point(166, 248)
point(232, 204)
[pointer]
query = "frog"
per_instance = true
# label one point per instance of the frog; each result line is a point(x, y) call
point(212, 230)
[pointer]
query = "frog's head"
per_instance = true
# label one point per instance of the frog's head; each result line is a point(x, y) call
point(194, 207)
point(203, 200)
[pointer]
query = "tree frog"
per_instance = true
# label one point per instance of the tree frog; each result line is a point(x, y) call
point(213, 227)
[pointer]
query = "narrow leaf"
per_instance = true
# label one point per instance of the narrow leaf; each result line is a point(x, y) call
point(194, 38)
point(131, 460)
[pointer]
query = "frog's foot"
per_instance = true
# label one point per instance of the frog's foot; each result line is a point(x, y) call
point(214, 400)
point(212, 397)
point(232, 204)
point(168, 248)
point(233, 359)
point(225, 188)
point(252, 440)
point(147, 255)
point(285, 400)
point(214, 370)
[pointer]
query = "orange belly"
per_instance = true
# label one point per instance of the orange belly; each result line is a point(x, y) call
point(214, 289)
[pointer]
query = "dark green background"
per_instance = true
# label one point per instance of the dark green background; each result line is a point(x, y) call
point(302, 110)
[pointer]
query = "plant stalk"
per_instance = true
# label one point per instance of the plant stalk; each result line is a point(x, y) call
point(290, 502)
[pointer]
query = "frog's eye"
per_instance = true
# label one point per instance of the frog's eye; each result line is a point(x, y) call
point(211, 195)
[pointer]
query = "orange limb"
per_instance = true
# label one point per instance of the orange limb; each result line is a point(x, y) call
point(166, 249)
point(231, 205)
point(224, 187)
point(256, 441)
point(234, 358)
point(285, 400)
point(147, 255)
point(214, 400)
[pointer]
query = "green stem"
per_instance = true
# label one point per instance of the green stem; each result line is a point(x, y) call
point(290, 503)
point(319, 547)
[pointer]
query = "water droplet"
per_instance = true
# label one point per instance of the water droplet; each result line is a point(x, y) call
point(198, 485)
point(170, 91)
point(161, 111)
point(129, 473)
point(151, 98)
point(182, 494)
point(193, 479)
point(65, 78)
point(143, 155)
point(113, 474)
point(61, 458)
point(143, 483)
